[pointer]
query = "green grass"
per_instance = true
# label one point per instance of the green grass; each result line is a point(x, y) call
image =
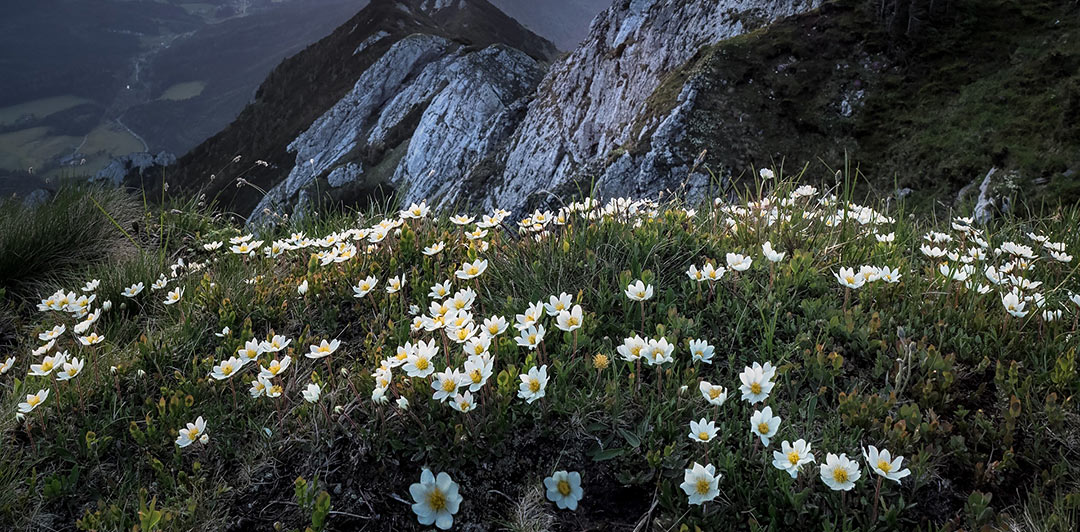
point(63, 238)
point(980, 405)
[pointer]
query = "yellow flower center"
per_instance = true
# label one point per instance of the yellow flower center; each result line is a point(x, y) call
point(473, 270)
point(703, 436)
point(763, 428)
point(534, 385)
point(475, 376)
point(275, 389)
point(33, 400)
point(532, 338)
point(449, 385)
point(714, 393)
point(226, 369)
point(793, 457)
point(572, 321)
point(564, 488)
point(703, 486)
point(755, 388)
point(493, 329)
point(436, 500)
point(72, 372)
point(840, 475)
point(47, 366)
point(421, 364)
point(465, 406)
point(884, 466)
point(193, 433)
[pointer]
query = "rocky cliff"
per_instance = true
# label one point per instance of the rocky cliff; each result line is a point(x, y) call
point(482, 127)
point(315, 81)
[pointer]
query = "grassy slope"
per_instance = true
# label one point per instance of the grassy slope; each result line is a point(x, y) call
point(990, 83)
point(987, 421)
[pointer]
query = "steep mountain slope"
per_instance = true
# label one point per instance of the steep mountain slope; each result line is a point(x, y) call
point(509, 147)
point(308, 84)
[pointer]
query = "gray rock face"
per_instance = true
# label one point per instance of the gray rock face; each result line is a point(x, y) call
point(993, 198)
point(590, 104)
point(425, 110)
point(429, 113)
point(137, 163)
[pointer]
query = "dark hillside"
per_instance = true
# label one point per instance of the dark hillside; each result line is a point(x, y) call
point(982, 84)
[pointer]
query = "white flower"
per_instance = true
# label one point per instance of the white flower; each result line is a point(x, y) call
point(839, 472)
point(53, 333)
point(224, 332)
point(882, 463)
point(48, 364)
point(91, 285)
point(302, 288)
point(440, 290)
point(659, 352)
point(639, 291)
point(715, 395)
point(312, 393)
point(226, 368)
point(403, 403)
point(132, 290)
point(632, 348)
point(869, 273)
point(470, 270)
point(564, 489)
point(764, 425)
point(323, 349)
point(533, 384)
point(889, 275)
point(277, 343)
point(463, 402)
point(418, 363)
point(478, 370)
point(885, 238)
point(770, 254)
point(791, 457)
point(446, 384)
point(434, 249)
point(701, 483)
point(738, 262)
point(275, 368)
point(70, 369)
point(394, 284)
point(701, 351)
point(531, 337)
point(766, 173)
point(849, 279)
point(174, 295)
point(32, 401)
point(6, 365)
point(44, 348)
point(556, 305)
point(702, 431)
point(569, 320)
point(695, 274)
point(1014, 304)
point(713, 273)
point(495, 326)
point(756, 382)
point(192, 432)
point(437, 499)
point(363, 287)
